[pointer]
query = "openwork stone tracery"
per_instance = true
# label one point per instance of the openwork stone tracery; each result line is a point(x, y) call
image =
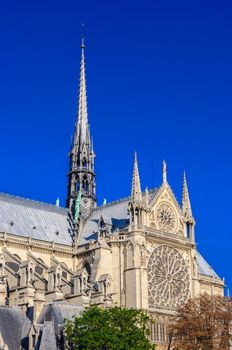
point(166, 217)
point(168, 278)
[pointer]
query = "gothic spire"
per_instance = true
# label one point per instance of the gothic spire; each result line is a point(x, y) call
point(136, 193)
point(138, 206)
point(82, 115)
point(81, 175)
point(186, 205)
point(164, 171)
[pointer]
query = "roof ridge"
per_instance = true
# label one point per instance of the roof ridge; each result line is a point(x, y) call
point(53, 206)
point(7, 195)
point(123, 199)
point(117, 201)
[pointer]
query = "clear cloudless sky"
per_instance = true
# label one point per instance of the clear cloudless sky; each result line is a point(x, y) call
point(159, 80)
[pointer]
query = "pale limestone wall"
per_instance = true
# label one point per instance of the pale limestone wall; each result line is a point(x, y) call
point(218, 290)
point(117, 268)
point(22, 253)
point(102, 262)
point(211, 288)
point(125, 264)
point(125, 260)
point(118, 265)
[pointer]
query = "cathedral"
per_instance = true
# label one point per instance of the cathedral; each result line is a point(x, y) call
point(136, 252)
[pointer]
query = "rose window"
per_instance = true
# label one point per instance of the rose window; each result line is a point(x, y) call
point(168, 278)
point(166, 217)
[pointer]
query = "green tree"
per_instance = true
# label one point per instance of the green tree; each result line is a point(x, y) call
point(108, 329)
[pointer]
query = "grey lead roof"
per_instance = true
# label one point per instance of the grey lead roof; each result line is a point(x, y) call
point(28, 218)
point(114, 213)
point(203, 267)
point(48, 340)
point(14, 326)
point(57, 312)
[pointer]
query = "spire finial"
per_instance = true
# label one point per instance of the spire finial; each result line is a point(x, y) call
point(136, 193)
point(92, 149)
point(82, 120)
point(82, 37)
point(186, 205)
point(146, 195)
point(164, 171)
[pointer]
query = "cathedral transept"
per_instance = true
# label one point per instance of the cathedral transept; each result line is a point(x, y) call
point(137, 252)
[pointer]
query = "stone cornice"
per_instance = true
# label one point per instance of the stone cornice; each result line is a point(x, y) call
point(211, 279)
point(9, 240)
point(153, 234)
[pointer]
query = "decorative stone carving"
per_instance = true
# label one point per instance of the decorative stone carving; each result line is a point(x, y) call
point(168, 278)
point(104, 227)
point(105, 282)
point(166, 217)
point(26, 272)
point(86, 205)
point(2, 266)
point(3, 282)
point(54, 278)
point(81, 285)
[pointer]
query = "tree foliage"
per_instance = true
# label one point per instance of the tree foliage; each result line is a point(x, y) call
point(204, 323)
point(108, 329)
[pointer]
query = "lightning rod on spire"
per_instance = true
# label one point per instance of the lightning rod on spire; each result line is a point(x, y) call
point(82, 36)
point(164, 171)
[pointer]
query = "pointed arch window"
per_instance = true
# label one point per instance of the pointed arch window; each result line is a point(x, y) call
point(84, 163)
point(77, 186)
point(85, 185)
point(188, 229)
point(159, 333)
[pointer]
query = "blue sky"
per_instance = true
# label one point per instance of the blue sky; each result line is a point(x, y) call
point(159, 80)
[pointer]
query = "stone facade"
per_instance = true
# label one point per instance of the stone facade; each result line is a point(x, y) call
point(137, 252)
